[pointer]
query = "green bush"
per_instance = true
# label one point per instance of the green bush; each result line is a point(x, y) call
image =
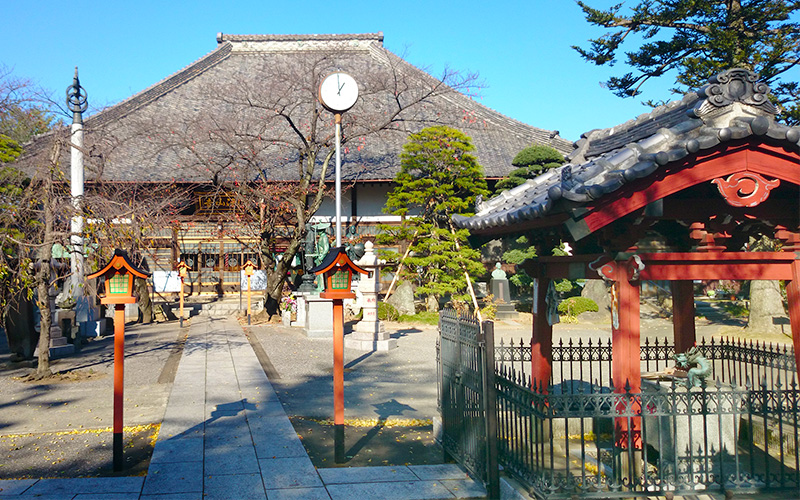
point(575, 306)
point(563, 286)
point(387, 312)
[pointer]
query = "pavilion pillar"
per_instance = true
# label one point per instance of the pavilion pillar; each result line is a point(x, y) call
point(542, 334)
point(625, 364)
point(793, 296)
point(683, 314)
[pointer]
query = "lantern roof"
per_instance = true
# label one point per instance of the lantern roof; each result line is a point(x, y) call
point(118, 261)
point(337, 256)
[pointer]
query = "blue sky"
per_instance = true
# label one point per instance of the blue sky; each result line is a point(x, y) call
point(520, 48)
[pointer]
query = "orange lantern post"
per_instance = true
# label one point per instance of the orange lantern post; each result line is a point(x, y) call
point(119, 274)
point(248, 271)
point(183, 271)
point(337, 270)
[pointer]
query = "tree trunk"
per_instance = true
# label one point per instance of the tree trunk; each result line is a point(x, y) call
point(767, 314)
point(46, 315)
point(42, 278)
point(145, 304)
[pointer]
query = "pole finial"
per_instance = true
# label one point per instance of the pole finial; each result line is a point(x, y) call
point(77, 99)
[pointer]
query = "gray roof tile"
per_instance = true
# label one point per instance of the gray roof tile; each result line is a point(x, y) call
point(126, 133)
point(605, 160)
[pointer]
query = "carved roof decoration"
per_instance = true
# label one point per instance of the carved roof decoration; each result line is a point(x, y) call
point(181, 97)
point(733, 106)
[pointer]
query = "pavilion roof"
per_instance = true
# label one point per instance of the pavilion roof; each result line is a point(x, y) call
point(182, 96)
point(732, 106)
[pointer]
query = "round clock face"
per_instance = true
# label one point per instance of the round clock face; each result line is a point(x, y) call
point(338, 92)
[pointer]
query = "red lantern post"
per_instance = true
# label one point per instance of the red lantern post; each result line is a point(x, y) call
point(119, 274)
point(337, 270)
point(183, 271)
point(248, 271)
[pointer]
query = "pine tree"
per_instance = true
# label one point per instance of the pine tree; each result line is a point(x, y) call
point(438, 178)
point(530, 162)
point(697, 39)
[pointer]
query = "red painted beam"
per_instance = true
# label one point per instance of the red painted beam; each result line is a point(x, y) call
point(718, 265)
point(690, 172)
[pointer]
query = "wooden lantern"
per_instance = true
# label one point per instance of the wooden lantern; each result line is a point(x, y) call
point(249, 268)
point(183, 270)
point(119, 274)
point(337, 270)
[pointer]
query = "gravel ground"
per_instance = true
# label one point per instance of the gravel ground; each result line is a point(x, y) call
point(392, 385)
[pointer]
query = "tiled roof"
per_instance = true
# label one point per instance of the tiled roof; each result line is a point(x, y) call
point(733, 106)
point(131, 154)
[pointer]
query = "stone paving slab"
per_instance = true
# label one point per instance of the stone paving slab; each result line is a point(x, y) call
point(300, 494)
point(440, 471)
point(15, 486)
point(174, 477)
point(407, 490)
point(86, 485)
point(293, 472)
point(242, 486)
point(178, 450)
point(366, 475)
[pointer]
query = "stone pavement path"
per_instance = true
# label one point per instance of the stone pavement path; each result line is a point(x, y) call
point(225, 435)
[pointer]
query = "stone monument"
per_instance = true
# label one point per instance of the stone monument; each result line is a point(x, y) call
point(61, 317)
point(502, 294)
point(369, 333)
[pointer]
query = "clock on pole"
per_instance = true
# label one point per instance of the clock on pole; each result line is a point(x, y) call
point(338, 92)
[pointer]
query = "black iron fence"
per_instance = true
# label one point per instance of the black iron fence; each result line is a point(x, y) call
point(579, 435)
point(466, 395)
point(590, 360)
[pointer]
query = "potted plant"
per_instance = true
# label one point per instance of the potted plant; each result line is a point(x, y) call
point(288, 307)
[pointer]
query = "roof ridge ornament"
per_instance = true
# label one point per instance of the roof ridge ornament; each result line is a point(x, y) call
point(730, 86)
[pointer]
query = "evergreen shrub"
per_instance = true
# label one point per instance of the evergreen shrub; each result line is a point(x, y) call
point(574, 306)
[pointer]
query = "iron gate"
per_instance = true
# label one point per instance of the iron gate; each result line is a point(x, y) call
point(467, 398)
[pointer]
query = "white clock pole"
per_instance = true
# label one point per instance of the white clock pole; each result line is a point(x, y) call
point(338, 121)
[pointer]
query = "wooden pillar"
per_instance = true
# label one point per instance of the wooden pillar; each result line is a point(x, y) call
point(338, 380)
point(541, 336)
point(683, 314)
point(625, 357)
point(119, 383)
point(793, 296)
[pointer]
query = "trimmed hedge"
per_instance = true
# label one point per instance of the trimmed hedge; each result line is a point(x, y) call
point(575, 306)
